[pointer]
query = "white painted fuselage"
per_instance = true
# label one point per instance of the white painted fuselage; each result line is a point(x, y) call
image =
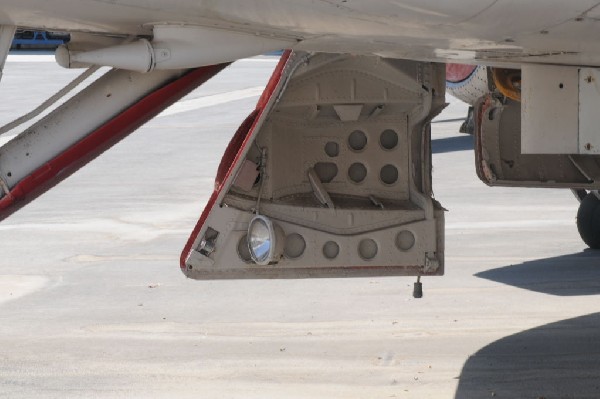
point(496, 32)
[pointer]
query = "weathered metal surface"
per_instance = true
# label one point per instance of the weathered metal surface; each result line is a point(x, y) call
point(465, 31)
point(500, 161)
point(383, 155)
point(85, 126)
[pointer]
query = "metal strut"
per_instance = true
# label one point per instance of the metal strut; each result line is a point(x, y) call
point(7, 32)
point(85, 126)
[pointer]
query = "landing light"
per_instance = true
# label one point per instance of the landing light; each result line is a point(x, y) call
point(265, 240)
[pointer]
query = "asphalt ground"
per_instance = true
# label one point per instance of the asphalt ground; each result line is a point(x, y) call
point(93, 304)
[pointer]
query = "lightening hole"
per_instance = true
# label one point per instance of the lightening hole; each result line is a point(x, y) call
point(405, 240)
point(388, 174)
point(331, 250)
point(388, 139)
point(332, 149)
point(367, 249)
point(294, 246)
point(326, 171)
point(357, 140)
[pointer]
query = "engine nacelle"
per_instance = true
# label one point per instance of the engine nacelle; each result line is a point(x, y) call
point(468, 83)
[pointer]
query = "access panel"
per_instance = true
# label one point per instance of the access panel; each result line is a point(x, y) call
point(330, 176)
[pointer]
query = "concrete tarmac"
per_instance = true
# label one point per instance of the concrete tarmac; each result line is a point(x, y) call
point(93, 304)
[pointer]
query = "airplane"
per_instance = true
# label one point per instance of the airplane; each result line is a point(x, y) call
point(330, 174)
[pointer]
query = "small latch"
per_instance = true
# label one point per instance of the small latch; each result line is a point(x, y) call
point(208, 243)
point(376, 202)
point(431, 263)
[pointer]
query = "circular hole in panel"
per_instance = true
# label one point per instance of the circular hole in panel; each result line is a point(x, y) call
point(294, 246)
point(388, 139)
point(332, 149)
point(357, 140)
point(331, 250)
point(405, 240)
point(357, 172)
point(326, 171)
point(367, 249)
point(242, 249)
point(389, 174)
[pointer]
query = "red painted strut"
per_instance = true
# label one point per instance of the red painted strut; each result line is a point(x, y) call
point(113, 131)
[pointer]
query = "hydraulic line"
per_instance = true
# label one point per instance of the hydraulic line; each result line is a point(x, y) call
point(50, 101)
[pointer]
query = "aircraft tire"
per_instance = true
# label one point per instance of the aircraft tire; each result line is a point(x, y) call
point(588, 221)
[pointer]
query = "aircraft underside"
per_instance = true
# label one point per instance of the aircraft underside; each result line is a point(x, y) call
point(330, 175)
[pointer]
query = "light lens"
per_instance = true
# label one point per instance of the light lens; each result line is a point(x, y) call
point(260, 240)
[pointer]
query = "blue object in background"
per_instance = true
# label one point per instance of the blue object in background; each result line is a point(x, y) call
point(28, 39)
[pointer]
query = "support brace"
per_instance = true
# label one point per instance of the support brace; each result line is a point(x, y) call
point(85, 126)
point(7, 32)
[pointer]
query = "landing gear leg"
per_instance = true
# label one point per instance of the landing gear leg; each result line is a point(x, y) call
point(468, 126)
point(588, 219)
point(7, 33)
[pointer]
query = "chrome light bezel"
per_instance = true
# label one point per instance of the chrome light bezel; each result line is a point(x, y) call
point(275, 240)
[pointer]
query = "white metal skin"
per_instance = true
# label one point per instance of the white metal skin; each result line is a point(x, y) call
point(559, 110)
point(7, 33)
point(137, 56)
point(490, 31)
point(172, 47)
point(549, 110)
point(65, 126)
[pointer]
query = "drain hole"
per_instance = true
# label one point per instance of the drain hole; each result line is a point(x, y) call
point(357, 140)
point(389, 174)
point(326, 171)
point(357, 172)
point(388, 139)
point(332, 149)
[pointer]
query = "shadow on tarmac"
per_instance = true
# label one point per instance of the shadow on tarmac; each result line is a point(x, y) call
point(567, 275)
point(557, 360)
point(451, 144)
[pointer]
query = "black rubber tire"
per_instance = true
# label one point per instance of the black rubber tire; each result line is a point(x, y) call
point(588, 221)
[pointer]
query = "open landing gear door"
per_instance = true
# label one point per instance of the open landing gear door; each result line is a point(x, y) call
point(549, 138)
point(330, 176)
point(500, 160)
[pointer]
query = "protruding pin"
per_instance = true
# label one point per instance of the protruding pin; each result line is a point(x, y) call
point(418, 288)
